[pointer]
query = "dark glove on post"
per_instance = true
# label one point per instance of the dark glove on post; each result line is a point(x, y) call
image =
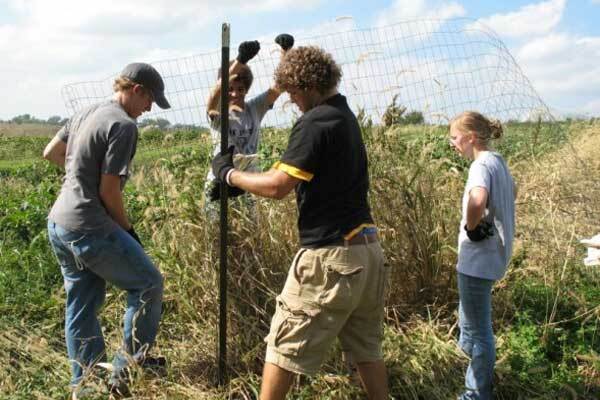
point(134, 235)
point(247, 51)
point(222, 164)
point(482, 231)
point(285, 41)
point(215, 191)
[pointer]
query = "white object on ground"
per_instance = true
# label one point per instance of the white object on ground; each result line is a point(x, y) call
point(593, 245)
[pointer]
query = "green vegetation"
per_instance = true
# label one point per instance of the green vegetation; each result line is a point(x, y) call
point(546, 310)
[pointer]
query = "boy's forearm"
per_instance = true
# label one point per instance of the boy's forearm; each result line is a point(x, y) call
point(55, 151)
point(112, 199)
point(215, 94)
point(272, 95)
point(213, 98)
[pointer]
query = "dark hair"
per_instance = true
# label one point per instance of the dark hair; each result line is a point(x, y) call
point(307, 67)
point(244, 75)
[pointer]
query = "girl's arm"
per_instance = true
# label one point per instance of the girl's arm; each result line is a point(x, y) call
point(478, 197)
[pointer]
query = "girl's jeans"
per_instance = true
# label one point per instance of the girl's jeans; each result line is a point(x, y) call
point(476, 335)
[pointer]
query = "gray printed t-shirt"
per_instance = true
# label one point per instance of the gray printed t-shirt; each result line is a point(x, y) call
point(489, 258)
point(244, 128)
point(101, 139)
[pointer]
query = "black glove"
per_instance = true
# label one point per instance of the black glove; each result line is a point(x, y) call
point(222, 164)
point(215, 191)
point(286, 41)
point(247, 51)
point(482, 231)
point(134, 235)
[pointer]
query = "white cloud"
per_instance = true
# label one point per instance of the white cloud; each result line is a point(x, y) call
point(403, 10)
point(50, 43)
point(592, 107)
point(533, 19)
point(563, 68)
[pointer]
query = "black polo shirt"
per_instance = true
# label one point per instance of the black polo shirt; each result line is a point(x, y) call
point(327, 153)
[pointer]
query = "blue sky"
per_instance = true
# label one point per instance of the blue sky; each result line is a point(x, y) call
point(47, 44)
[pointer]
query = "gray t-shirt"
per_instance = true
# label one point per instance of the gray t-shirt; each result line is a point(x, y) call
point(489, 258)
point(244, 128)
point(101, 139)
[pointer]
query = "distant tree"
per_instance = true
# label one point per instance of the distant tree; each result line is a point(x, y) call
point(26, 119)
point(162, 123)
point(414, 118)
point(144, 122)
point(21, 119)
point(54, 120)
point(184, 126)
point(395, 114)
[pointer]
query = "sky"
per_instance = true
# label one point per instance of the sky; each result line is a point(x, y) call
point(47, 44)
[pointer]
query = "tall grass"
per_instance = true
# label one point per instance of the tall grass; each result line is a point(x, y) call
point(546, 310)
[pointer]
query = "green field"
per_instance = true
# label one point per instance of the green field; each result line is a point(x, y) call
point(546, 310)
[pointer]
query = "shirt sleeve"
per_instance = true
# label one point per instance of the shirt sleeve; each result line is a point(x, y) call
point(122, 139)
point(259, 105)
point(479, 176)
point(301, 158)
point(63, 133)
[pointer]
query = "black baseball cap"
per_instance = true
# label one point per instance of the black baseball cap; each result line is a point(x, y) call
point(147, 76)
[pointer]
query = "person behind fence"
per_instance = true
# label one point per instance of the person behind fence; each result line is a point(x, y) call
point(335, 285)
point(244, 116)
point(485, 244)
point(91, 235)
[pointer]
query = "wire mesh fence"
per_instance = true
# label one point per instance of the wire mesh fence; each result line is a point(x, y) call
point(433, 69)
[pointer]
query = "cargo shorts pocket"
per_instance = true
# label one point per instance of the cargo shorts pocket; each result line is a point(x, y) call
point(290, 328)
point(341, 283)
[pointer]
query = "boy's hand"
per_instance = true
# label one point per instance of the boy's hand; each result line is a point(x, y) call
point(247, 51)
point(285, 41)
point(222, 164)
point(215, 191)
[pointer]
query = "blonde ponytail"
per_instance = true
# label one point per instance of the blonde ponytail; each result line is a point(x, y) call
point(477, 124)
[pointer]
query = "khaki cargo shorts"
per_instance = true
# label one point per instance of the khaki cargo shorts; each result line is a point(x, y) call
point(335, 291)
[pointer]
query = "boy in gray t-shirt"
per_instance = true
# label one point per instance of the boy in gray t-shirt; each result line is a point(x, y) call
point(244, 116)
point(100, 139)
point(91, 235)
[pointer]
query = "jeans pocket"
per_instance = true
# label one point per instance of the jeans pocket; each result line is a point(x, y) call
point(341, 282)
point(85, 248)
point(290, 328)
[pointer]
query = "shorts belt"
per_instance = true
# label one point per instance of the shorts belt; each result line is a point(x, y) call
point(364, 238)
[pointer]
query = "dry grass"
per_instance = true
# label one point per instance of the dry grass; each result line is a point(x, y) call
point(8, 129)
point(416, 202)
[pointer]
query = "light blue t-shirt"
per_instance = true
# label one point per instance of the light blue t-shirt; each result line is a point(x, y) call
point(489, 258)
point(244, 128)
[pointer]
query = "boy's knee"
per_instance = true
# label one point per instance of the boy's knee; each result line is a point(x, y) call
point(155, 288)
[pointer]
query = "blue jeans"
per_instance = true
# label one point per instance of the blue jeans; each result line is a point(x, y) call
point(476, 335)
point(87, 262)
